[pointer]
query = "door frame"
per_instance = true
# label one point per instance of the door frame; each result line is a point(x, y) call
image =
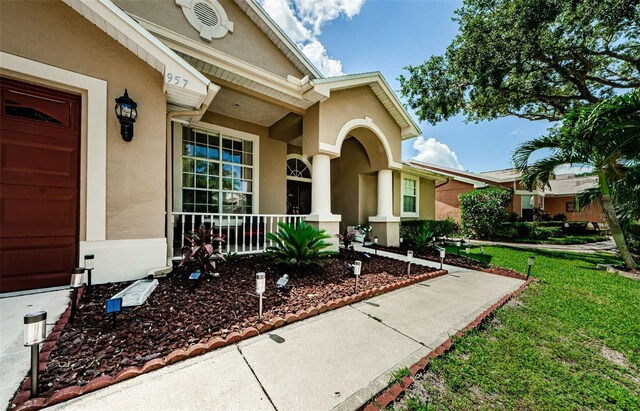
point(93, 133)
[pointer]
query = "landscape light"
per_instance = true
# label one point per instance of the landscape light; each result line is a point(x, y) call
point(113, 306)
point(443, 253)
point(481, 254)
point(458, 244)
point(375, 244)
point(357, 267)
point(35, 332)
point(261, 285)
point(530, 262)
point(89, 266)
point(467, 250)
point(409, 259)
point(76, 282)
point(401, 240)
point(282, 282)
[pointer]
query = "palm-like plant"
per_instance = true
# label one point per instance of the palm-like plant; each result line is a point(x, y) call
point(299, 245)
point(605, 136)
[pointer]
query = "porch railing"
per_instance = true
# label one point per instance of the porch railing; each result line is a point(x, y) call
point(243, 233)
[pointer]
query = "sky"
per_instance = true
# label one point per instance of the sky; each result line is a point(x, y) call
point(356, 36)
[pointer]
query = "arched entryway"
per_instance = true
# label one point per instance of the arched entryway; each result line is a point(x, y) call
point(298, 185)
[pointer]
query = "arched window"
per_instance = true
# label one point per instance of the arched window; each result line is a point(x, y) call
point(298, 168)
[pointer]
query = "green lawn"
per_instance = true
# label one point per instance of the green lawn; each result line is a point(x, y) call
point(570, 342)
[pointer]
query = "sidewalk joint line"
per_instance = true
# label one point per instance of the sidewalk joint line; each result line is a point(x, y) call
point(256, 377)
point(378, 320)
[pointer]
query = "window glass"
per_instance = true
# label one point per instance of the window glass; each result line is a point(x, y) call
point(409, 195)
point(217, 173)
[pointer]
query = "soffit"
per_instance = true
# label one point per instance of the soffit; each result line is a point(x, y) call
point(233, 104)
point(185, 86)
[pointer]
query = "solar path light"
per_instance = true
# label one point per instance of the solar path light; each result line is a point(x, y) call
point(113, 306)
point(35, 332)
point(530, 262)
point(409, 261)
point(458, 244)
point(357, 268)
point(481, 254)
point(443, 254)
point(375, 244)
point(89, 266)
point(261, 282)
point(76, 282)
point(282, 282)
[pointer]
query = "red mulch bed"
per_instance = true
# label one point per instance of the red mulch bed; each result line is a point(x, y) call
point(453, 259)
point(179, 314)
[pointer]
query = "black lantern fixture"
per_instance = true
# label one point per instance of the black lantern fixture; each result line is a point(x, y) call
point(127, 113)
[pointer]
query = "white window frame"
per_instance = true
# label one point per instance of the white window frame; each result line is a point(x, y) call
point(212, 128)
point(417, 181)
point(305, 161)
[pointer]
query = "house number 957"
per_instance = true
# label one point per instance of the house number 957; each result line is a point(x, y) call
point(177, 80)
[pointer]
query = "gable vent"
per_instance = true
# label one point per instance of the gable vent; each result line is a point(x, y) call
point(206, 14)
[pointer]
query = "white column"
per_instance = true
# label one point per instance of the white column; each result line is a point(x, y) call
point(385, 193)
point(321, 185)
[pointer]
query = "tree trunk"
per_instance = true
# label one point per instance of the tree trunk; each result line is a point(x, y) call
point(614, 224)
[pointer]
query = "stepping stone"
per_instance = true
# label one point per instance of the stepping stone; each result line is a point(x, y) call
point(137, 293)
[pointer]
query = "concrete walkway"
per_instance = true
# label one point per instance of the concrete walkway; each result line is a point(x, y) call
point(14, 356)
point(335, 361)
point(599, 247)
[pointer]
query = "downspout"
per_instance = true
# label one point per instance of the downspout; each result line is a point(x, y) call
point(212, 90)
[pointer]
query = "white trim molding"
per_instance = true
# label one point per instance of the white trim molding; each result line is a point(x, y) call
point(403, 213)
point(366, 122)
point(96, 129)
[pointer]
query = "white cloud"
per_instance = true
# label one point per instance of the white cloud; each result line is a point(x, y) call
point(433, 151)
point(303, 20)
point(516, 132)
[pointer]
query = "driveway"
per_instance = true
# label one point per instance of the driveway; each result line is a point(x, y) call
point(334, 361)
point(14, 356)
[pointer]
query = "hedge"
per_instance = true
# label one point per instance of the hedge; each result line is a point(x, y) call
point(439, 228)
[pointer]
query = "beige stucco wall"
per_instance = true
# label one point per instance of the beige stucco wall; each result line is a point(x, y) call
point(247, 42)
point(348, 198)
point(426, 200)
point(427, 208)
point(358, 103)
point(53, 33)
point(273, 163)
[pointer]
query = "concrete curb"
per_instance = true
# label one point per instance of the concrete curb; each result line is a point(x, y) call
point(23, 402)
point(391, 393)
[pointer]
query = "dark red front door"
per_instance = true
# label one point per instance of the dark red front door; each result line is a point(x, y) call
point(39, 162)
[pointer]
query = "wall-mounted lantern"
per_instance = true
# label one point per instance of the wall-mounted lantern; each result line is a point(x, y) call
point(126, 110)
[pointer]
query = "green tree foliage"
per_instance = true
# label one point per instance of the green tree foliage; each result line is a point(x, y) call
point(483, 210)
point(534, 59)
point(605, 136)
point(298, 246)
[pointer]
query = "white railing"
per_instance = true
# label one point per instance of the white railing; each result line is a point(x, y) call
point(243, 233)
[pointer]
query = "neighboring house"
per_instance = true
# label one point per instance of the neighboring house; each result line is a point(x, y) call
point(557, 199)
point(235, 128)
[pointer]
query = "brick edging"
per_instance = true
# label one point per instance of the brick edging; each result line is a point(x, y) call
point(391, 393)
point(22, 399)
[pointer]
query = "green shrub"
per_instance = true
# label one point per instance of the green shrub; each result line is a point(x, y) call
point(483, 210)
point(577, 228)
point(439, 228)
point(633, 237)
point(542, 233)
point(508, 231)
point(299, 246)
